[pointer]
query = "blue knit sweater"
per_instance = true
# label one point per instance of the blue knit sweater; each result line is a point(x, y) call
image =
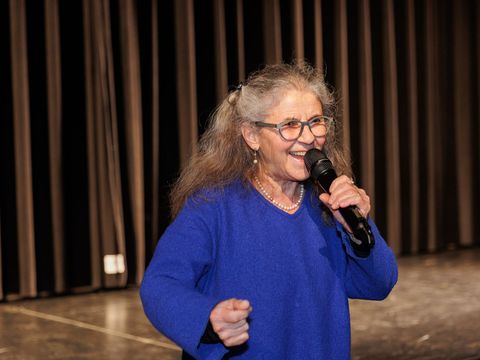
point(296, 271)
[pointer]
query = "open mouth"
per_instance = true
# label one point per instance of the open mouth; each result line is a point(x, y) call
point(298, 153)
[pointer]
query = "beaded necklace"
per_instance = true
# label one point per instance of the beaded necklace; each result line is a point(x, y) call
point(275, 202)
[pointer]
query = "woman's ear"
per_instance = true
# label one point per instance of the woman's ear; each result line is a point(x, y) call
point(250, 135)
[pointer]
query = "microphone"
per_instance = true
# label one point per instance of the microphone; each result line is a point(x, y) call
point(321, 170)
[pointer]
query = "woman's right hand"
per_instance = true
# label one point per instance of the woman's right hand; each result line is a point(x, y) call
point(229, 321)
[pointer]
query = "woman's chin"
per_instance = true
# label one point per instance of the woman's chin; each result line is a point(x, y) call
point(300, 175)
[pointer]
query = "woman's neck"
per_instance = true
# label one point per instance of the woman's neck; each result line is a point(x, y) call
point(286, 195)
point(279, 188)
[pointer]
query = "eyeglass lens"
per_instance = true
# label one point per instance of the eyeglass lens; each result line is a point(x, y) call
point(293, 129)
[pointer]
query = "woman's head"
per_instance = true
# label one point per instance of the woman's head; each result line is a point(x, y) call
point(270, 95)
point(293, 125)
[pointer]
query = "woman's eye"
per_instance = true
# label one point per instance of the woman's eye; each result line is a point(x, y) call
point(315, 121)
point(292, 124)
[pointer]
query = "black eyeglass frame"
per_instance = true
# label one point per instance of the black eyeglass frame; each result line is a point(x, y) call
point(327, 119)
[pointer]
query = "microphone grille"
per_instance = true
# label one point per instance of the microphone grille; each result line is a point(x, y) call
point(312, 156)
point(318, 164)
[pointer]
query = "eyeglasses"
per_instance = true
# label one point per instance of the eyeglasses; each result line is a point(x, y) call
point(292, 129)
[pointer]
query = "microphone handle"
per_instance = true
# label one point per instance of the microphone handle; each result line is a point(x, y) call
point(361, 239)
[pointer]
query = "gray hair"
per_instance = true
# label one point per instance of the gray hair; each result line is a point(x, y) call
point(223, 156)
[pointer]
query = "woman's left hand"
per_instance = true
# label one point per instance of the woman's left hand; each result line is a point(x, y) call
point(344, 193)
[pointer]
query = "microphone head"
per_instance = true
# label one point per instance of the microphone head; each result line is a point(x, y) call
point(317, 163)
point(312, 156)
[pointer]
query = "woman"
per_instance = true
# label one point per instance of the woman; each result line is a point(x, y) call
point(256, 264)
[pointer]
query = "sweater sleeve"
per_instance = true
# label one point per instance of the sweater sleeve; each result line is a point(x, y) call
point(171, 290)
point(373, 277)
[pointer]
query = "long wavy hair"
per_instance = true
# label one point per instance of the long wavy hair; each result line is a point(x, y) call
point(223, 155)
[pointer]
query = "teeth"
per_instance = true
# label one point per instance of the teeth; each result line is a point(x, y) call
point(298, 153)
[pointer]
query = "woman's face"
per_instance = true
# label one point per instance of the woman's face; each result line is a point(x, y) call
point(283, 160)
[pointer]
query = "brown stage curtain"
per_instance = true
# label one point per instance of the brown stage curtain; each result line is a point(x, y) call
point(22, 150)
point(103, 101)
point(107, 229)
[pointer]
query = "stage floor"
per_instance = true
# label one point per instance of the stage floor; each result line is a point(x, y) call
point(433, 313)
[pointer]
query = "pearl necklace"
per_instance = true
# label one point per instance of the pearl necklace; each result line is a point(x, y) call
point(275, 202)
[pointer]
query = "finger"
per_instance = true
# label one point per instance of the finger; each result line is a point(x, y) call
point(324, 198)
point(225, 312)
point(349, 199)
point(365, 206)
point(345, 192)
point(342, 189)
point(231, 327)
point(347, 189)
point(337, 215)
point(236, 340)
point(223, 316)
point(226, 333)
point(241, 325)
point(226, 330)
point(233, 316)
point(358, 198)
point(226, 304)
point(362, 202)
point(341, 180)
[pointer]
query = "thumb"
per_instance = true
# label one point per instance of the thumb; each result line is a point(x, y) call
point(240, 304)
point(324, 197)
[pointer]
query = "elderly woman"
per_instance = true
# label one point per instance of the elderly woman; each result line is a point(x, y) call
point(257, 263)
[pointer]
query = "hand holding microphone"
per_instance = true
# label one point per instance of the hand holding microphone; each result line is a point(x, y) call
point(343, 193)
point(349, 204)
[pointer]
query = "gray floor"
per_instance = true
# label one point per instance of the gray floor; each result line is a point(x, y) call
point(433, 313)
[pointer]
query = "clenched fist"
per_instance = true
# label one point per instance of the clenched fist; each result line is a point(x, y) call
point(229, 321)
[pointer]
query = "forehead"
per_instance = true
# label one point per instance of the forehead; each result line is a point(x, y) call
point(297, 104)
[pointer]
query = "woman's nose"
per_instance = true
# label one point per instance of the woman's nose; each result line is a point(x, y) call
point(307, 136)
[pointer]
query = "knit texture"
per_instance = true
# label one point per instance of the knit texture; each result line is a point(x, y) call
point(296, 271)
